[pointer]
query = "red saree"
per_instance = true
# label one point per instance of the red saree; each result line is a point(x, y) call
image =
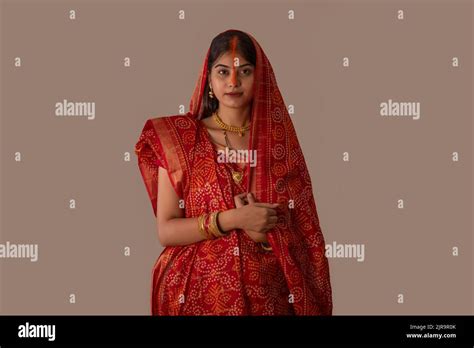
point(232, 275)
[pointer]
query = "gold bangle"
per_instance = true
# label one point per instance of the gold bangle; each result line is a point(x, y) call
point(209, 226)
point(202, 228)
point(212, 225)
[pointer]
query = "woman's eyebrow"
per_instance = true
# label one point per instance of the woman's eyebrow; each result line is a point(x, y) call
point(225, 66)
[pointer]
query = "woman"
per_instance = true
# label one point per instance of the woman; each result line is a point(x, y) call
point(239, 239)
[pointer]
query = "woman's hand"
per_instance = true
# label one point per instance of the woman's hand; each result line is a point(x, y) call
point(255, 218)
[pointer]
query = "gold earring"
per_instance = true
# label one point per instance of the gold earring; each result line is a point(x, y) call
point(211, 95)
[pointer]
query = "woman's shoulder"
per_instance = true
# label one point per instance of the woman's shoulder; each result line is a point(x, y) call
point(167, 129)
point(182, 121)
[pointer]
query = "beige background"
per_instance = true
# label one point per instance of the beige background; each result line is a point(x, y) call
point(81, 251)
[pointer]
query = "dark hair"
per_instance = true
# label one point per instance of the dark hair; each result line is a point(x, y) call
point(220, 45)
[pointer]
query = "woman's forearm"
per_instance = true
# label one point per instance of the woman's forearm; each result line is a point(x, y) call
point(184, 231)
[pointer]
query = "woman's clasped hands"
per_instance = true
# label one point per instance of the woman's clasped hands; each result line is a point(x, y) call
point(256, 219)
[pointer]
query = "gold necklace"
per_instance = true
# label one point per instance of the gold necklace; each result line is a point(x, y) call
point(236, 174)
point(234, 129)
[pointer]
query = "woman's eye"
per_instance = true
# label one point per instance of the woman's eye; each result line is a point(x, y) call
point(245, 72)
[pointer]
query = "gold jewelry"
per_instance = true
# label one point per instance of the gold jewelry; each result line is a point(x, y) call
point(211, 94)
point(240, 130)
point(265, 247)
point(208, 226)
point(201, 225)
point(218, 144)
point(213, 227)
point(236, 174)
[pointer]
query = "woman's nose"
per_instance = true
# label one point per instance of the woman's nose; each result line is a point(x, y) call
point(233, 77)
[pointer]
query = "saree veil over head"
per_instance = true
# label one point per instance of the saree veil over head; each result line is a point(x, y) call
point(206, 278)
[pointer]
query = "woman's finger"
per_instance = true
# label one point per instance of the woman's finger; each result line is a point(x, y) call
point(272, 212)
point(240, 199)
point(250, 198)
point(267, 205)
point(269, 227)
point(241, 195)
point(238, 202)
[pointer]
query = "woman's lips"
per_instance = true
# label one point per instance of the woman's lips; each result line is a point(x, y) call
point(234, 94)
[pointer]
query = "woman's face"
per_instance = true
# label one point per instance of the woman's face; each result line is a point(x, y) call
point(232, 75)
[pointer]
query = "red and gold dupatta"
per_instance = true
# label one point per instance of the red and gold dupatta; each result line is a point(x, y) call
point(206, 278)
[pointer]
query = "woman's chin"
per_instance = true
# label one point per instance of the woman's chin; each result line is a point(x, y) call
point(234, 104)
